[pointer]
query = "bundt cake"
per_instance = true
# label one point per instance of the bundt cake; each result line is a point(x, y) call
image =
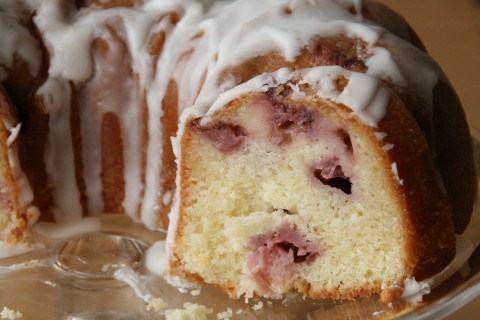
point(316, 146)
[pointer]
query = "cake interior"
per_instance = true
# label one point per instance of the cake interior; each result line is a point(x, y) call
point(277, 196)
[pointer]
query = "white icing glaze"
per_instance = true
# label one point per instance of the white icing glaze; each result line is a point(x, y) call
point(388, 146)
point(68, 229)
point(414, 291)
point(14, 131)
point(269, 28)
point(59, 154)
point(364, 95)
point(395, 174)
point(156, 259)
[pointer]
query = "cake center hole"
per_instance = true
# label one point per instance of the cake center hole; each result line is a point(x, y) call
point(96, 255)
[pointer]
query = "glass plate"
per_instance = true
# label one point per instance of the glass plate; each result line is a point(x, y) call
point(69, 278)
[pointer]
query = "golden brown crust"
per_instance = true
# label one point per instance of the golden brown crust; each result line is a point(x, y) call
point(112, 163)
point(75, 126)
point(169, 167)
point(33, 139)
point(446, 130)
point(428, 214)
point(454, 155)
point(144, 141)
point(392, 21)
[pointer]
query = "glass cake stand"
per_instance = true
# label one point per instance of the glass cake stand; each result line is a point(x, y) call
point(102, 275)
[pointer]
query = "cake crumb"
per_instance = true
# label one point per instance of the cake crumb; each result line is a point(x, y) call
point(258, 306)
point(10, 314)
point(182, 290)
point(195, 292)
point(239, 311)
point(225, 315)
point(378, 313)
point(248, 296)
point(156, 305)
point(190, 311)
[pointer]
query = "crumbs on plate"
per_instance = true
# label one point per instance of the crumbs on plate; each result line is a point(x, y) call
point(10, 314)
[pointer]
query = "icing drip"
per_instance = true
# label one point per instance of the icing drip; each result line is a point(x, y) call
point(68, 229)
point(81, 44)
point(364, 95)
point(172, 66)
point(59, 151)
point(17, 41)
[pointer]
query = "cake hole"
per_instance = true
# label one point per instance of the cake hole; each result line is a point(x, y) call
point(339, 182)
point(297, 258)
point(286, 211)
point(286, 125)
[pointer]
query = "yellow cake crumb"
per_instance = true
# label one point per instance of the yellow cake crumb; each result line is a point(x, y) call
point(156, 305)
point(190, 311)
point(258, 306)
point(225, 315)
point(10, 314)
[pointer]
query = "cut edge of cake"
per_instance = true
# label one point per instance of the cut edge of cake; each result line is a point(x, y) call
point(236, 228)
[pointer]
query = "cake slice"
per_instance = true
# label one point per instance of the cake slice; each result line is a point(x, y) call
point(319, 181)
